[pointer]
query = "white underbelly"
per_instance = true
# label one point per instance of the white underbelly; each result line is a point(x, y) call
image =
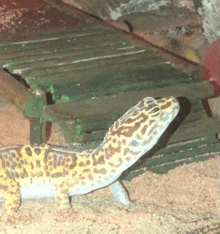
point(46, 189)
point(35, 191)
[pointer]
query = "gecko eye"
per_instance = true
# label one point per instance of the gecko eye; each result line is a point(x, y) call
point(154, 110)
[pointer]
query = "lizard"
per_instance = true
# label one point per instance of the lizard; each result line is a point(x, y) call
point(33, 171)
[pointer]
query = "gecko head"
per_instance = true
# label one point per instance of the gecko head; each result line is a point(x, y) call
point(140, 128)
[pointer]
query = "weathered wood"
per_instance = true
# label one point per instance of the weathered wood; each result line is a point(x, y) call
point(111, 107)
point(204, 127)
point(37, 131)
point(172, 156)
point(70, 131)
point(68, 9)
point(13, 90)
point(20, 96)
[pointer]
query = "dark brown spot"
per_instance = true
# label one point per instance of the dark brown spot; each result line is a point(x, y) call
point(126, 151)
point(81, 164)
point(50, 163)
point(116, 165)
point(166, 105)
point(45, 159)
point(54, 157)
point(56, 175)
point(73, 164)
point(25, 173)
point(143, 130)
point(18, 151)
point(110, 151)
point(3, 163)
point(86, 170)
point(28, 151)
point(65, 191)
point(16, 175)
point(98, 161)
point(87, 162)
point(9, 159)
point(65, 173)
point(3, 187)
point(134, 124)
point(151, 122)
point(13, 165)
point(90, 177)
point(38, 163)
point(37, 151)
point(13, 155)
point(101, 171)
point(8, 174)
point(46, 167)
point(54, 164)
point(32, 166)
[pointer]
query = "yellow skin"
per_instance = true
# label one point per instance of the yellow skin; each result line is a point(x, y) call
point(47, 171)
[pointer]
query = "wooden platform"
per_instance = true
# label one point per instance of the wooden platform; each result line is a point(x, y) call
point(92, 73)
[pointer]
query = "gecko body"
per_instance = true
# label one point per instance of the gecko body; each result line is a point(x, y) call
point(45, 171)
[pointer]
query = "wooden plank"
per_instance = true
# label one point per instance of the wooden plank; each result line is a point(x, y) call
point(16, 39)
point(13, 90)
point(47, 68)
point(37, 131)
point(21, 96)
point(173, 155)
point(204, 127)
point(58, 47)
point(111, 107)
point(109, 82)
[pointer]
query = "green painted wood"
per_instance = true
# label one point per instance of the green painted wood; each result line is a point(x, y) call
point(91, 57)
point(37, 131)
point(70, 131)
point(68, 48)
point(174, 155)
point(109, 108)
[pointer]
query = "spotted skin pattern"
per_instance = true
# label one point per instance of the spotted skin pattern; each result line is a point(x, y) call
point(45, 171)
